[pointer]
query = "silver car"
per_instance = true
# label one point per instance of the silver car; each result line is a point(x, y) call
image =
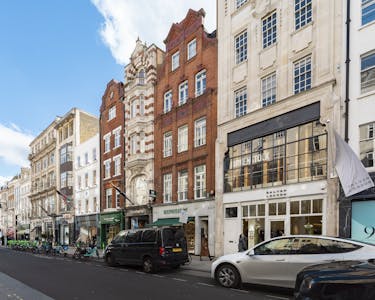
point(277, 261)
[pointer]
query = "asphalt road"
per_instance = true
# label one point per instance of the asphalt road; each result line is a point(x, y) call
point(65, 278)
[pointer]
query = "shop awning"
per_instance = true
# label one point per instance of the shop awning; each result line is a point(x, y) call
point(169, 222)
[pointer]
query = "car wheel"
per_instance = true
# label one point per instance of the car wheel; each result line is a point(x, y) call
point(228, 276)
point(110, 260)
point(148, 265)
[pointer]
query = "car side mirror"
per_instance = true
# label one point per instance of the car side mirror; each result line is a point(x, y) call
point(251, 252)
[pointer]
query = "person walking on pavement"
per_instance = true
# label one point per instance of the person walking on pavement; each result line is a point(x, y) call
point(242, 243)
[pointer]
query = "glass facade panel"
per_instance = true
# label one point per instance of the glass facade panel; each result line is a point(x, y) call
point(294, 207)
point(267, 161)
point(272, 209)
point(252, 210)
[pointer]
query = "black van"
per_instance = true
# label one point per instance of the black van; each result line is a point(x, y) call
point(151, 248)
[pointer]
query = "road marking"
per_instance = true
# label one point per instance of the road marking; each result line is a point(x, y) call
point(276, 297)
point(242, 291)
point(158, 276)
point(179, 279)
point(205, 284)
point(124, 270)
point(140, 272)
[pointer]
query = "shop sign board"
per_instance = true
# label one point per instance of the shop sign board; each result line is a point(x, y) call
point(363, 221)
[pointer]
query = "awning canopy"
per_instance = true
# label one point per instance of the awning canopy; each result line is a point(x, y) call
point(169, 222)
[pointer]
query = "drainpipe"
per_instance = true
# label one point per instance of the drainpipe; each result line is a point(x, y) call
point(347, 65)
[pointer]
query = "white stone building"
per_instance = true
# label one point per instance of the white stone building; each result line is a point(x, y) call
point(140, 80)
point(279, 82)
point(356, 212)
point(87, 180)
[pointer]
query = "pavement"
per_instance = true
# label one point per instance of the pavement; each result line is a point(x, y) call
point(202, 264)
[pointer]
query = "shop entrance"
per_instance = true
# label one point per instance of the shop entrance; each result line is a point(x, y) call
point(276, 227)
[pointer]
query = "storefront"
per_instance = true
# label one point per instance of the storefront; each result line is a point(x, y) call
point(200, 217)
point(87, 226)
point(65, 229)
point(23, 232)
point(357, 213)
point(110, 224)
point(293, 209)
point(137, 217)
point(275, 179)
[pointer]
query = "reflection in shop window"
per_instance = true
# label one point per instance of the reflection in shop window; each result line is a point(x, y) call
point(294, 155)
point(231, 212)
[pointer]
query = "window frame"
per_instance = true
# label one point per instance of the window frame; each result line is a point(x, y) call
point(269, 30)
point(367, 86)
point(199, 182)
point(191, 53)
point(200, 82)
point(365, 4)
point(167, 188)
point(175, 60)
point(268, 92)
point(111, 113)
point(240, 102)
point(167, 101)
point(302, 15)
point(200, 132)
point(167, 144)
point(240, 47)
point(302, 68)
point(183, 138)
point(183, 185)
point(183, 92)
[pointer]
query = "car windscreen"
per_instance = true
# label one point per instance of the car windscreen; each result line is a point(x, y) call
point(173, 237)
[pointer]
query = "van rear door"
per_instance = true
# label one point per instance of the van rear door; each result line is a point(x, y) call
point(174, 243)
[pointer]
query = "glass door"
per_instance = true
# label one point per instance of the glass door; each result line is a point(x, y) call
point(277, 227)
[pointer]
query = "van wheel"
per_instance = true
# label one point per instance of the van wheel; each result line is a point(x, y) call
point(110, 260)
point(148, 265)
point(228, 276)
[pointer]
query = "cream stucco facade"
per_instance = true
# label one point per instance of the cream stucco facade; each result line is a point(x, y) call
point(319, 41)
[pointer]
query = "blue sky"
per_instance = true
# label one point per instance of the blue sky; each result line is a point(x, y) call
point(59, 54)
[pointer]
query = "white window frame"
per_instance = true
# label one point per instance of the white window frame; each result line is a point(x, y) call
point(365, 5)
point(168, 101)
point(107, 168)
point(200, 132)
point(117, 163)
point(304, 67)
point(167, 188)
point(200, 83)
point(192, 49)
point(240, 3)
point(269, 89)
point(269, 30)
point(107, 142)
point(183, 137)
point(175, 60)
point(182, 193)
point(200, 182)
point(183, 92)
point(108, 198)
point(167, 144)
point(112, 113)
point(302, 14)
point(368, 72)
point(133, 109)
point(117, 137)
point(240, 47)
point(240, 102)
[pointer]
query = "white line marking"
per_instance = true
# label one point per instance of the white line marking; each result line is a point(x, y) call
point(242, 291)
point(140, 272)
point(158, 276)
point(179, 279)
point(205, 284)
point(276, 297)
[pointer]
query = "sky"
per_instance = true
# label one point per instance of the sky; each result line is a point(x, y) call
point(60, 54)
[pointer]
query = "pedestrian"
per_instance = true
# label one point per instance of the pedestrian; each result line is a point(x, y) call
point(1, 237)
point(242, 243)
point(205, 251)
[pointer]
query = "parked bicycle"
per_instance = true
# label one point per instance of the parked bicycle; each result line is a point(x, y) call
point(85, 252)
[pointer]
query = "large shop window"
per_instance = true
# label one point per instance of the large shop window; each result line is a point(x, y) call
point(306, 216)
point(298, 154)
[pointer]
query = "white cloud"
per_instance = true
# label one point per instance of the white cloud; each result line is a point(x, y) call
point(126, 20)
point(14, 146)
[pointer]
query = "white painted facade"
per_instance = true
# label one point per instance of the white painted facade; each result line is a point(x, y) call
point(320, 40)
point(87, 177)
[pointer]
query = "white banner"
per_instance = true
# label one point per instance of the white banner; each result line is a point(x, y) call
point(183, 216)
point(353, 176)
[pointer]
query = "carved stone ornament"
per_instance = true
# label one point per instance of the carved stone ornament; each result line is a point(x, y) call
point(260, 7)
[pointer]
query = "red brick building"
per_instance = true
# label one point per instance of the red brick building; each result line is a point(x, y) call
point(112, 120)
point(185, 129)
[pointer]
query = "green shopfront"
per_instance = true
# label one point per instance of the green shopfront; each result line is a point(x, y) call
point(110, 224)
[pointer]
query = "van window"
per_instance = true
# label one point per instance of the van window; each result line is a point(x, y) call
point(149, 236)
point(171, 236)
point(133, 237)
point(119, 238)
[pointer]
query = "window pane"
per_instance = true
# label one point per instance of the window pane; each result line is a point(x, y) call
point(294, 207)
point(231, 212)
point(272, 209)
point(317, 206)
point(261, 209)
point(245, 211)
point(281, 208)
point(252, 210)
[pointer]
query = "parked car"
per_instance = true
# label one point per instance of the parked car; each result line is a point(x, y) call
point(277, 261)
point(151, 248)
point(344, 280)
